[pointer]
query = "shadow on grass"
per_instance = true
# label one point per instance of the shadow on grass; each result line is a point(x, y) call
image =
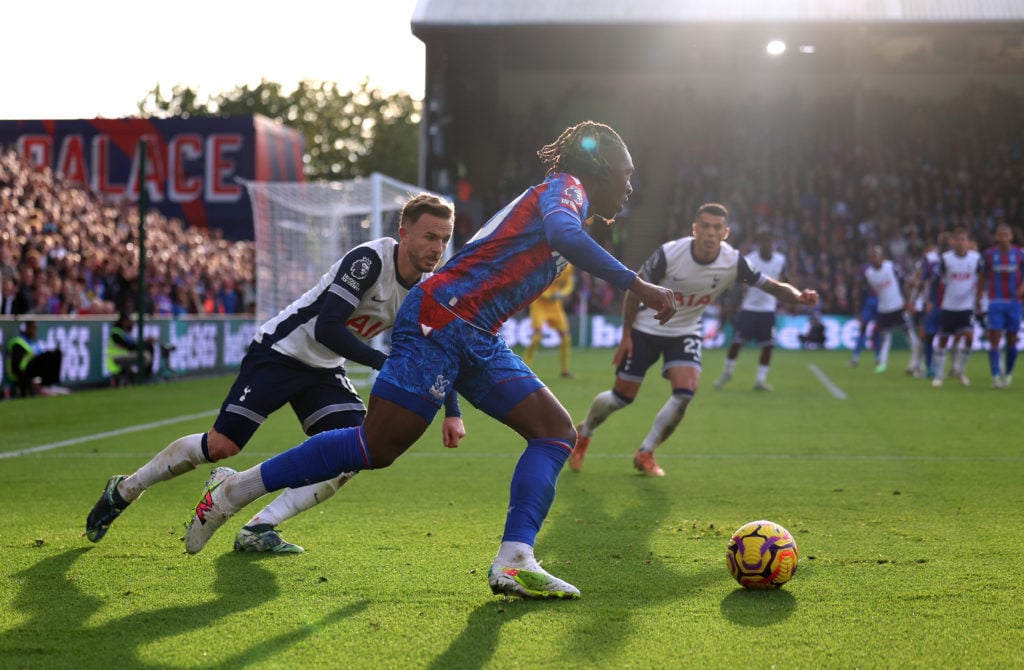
point(56, 633)
point(758, 608)
point(603, 547)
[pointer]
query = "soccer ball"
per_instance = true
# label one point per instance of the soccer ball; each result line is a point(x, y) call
point(762, 555)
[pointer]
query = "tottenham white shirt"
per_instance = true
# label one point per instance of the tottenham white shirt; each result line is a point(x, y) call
point(959, 275)
point(884, 281)
point(757, 300)
point(696, 285)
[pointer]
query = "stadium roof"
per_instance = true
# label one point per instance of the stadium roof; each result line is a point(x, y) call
point(468, 13)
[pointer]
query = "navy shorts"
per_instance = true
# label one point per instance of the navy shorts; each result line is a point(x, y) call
point(433, 351)
point(955, 322)
point(756, 327)
point(890, 320)
point(679, 350)
point(321, 398)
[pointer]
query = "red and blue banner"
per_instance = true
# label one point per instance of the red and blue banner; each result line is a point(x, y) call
point(191, 165)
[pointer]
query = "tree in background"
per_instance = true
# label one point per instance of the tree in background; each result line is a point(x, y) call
point(348, 134)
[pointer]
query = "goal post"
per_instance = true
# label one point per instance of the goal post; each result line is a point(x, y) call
point(303, 228)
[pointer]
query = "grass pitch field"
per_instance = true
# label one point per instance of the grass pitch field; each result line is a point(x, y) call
point(907, 503)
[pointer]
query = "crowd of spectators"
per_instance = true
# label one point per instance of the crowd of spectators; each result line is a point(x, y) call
point(830, 176)
point(831, 182)
point(65, 250)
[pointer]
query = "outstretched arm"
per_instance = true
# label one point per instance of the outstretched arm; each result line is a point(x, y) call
point(788, 293)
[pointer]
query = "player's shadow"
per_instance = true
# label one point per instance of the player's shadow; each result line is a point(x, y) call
point(758, 608)
point(574, 545)
point(56, 631)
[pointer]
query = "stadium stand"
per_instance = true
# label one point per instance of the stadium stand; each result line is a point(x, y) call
point(881, 123)
point(72, 252)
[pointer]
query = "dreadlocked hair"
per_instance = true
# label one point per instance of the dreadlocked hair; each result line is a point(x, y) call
point(580, 150)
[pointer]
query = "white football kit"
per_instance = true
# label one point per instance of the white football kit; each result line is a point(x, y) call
point(757, 300)
point(885, 282)
point(366, 278)
point(695, 285)
point(959, 275)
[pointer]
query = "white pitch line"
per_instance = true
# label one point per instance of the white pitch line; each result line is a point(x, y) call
point(109, 433)
point(823, 378)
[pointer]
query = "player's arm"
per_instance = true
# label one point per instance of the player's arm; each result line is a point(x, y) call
point(784, 291)
point(983, 279)
point(341, 300)
point(565, 234)
point(653, 271)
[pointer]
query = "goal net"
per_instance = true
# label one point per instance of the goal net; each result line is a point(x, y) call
point(303, 228)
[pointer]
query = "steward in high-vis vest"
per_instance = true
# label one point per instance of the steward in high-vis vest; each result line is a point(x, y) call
point(122, 349)
point(28, 367)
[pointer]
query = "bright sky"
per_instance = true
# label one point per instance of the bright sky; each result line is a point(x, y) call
point(68, 59)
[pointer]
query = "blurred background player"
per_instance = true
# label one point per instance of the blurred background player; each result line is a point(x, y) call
point(298, 357)
point(756, 320)
point(867, 314)
point(958, 271)
point(924, 288)
point(884, 280)
point(446, 336)
point(1002, 283)
point(698, 269)
point(549, 309)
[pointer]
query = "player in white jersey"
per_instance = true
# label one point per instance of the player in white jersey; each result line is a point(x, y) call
point(959, 269)
point(882, 276)
point(697, 269)
point(298, 358)
point(756, 320)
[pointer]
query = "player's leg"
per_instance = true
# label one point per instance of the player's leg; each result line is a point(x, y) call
point(945, 333)
point(560, 322)
point(404, 399)
point(996, 323)
point(884, 326)
point(763, 365)
point(246, 406)
point(1012, 328)
point(682, 368)
point(547, 428)
point(628, 377)
point(929, 330)
point(764, 330)
point(739, 338)
point(537, 320)
point(964, 352)
point(910, 330)
point(330, 404)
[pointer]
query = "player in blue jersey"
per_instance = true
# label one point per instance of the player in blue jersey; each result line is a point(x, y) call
point(867, 315)
point(298, 358)
point(446, 336)
point(1002, 282)
point(926, 288)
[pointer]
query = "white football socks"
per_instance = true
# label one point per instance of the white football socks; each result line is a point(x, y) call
point(668, 417)
point(294, 501)
point(603, 406)
point(179, 457)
